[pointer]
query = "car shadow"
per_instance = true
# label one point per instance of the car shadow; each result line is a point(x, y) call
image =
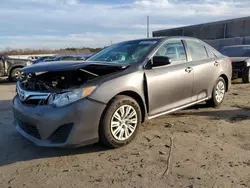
point(6, 81)
point(230, 114)
point(197, 106)
point(15, 148)
point(23, 150)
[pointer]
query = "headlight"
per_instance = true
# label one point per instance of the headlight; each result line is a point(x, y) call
point(63, 99)
point(28, 63)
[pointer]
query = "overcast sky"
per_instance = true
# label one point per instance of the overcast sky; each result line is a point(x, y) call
point(95, 23)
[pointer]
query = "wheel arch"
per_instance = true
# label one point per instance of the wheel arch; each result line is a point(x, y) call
point(13, 67)
point(136, 97)
point(226, 80)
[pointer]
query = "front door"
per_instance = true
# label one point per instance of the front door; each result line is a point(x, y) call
point(170, 86)
point(1, 66)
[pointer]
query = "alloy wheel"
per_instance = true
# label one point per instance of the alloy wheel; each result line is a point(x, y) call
point(19, 75)
point(220, 91)
point(124, 122)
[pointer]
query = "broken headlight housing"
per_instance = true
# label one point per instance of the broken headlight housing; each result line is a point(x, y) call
point(68, 97)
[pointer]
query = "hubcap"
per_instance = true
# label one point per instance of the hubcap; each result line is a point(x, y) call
point(220, 91)
point(19, 75)
point(123, 122)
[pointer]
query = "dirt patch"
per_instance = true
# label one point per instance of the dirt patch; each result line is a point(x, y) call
point(210, 148)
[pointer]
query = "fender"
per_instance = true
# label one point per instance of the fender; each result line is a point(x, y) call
point(132, 82)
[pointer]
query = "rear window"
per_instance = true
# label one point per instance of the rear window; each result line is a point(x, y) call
point(237, 51)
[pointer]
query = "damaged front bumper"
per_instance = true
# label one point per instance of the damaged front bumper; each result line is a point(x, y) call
point(69, 126)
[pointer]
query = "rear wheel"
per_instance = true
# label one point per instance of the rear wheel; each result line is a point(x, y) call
point(120, 122)
point(246, 75)
point(218, 93)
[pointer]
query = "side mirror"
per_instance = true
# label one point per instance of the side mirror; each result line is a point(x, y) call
point(158, 61)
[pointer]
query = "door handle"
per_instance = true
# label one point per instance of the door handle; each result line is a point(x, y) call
point(216, 63)
point(189, 69)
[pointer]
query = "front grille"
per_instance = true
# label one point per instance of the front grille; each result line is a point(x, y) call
point(30, 129)
point(61, 134)
point(32, 98)
point(34, 102)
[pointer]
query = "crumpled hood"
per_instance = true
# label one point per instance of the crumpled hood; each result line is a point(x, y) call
point(239, 59)
point(66, 65)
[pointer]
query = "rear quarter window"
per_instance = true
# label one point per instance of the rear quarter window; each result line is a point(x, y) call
point(197, 50)
point(210, 52)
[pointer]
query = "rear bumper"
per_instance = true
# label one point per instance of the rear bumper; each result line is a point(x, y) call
point(70, 126)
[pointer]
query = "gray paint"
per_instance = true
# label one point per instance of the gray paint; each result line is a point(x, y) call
point(167, 88)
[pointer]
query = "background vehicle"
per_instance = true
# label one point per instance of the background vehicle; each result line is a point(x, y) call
point(240, 56)
point(77, 57)
point(33, 58)
point(69, 58)
point(43, 59)
point(107, 97)
point(11, 67)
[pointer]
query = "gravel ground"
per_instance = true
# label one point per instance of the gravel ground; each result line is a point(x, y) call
point(208, 148)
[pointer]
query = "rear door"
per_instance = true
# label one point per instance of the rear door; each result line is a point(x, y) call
point(169, 86)
point(205, 67)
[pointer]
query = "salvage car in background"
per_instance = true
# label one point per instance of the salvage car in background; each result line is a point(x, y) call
point(71, 104)
point(240, 56)
point(62, 58)
point(43, 59)
point(11, 67)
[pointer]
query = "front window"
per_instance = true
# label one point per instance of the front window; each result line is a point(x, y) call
point(237, 51)
point(174, 50)
point(126, 52)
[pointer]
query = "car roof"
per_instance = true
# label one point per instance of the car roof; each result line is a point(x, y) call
point(164, 38)
point(236, 46)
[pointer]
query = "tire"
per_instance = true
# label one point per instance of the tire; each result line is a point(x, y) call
point(246, 75)
point(120, 133)
point(15, 74)
point(218, 94)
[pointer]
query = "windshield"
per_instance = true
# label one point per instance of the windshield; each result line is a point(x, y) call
point(125, 52)
point(237, 51)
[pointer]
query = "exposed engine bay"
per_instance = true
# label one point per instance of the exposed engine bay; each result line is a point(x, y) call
point(60, 80)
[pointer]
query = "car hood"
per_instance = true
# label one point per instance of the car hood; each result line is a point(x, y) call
point(239, 59)
point(65, 66)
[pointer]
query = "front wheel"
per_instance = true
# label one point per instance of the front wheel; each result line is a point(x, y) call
point(246, 75)
point(218, 94)
point(16, 74)
point(120, 122)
